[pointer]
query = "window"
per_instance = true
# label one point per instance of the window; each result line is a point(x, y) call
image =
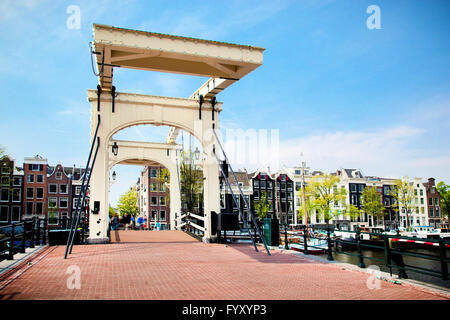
point(421, 192)
point(6, 170)
point(64, 216)
point(283, 178)
point(154, 214)
point(353, 187)
point(5, 181)
point(269, 184)
point(29, 208)
point(153, 186)
point(53, 218)
point(39, 193)
point(415, 192)
point(361, 188)
point(15, 213)
point(354, 200)
point(58, 176)
point(437, 212)
point(256, 194)
point(40, 178)
point(386, 202)
point(4, 213)
point(436, 201)
point(431, 212)
point(17, 181)
point(154, 201)
point(298, 172)
point(256, 183)
point(63, 202)
point(162, 201)
point(16, 195)
point(154, 173)
point(30, 193)
point(386, 190)
point(263, 184)
point(421, 201)
point(269, 195)
point(36, 167)
point(77, 190)
point(283, 185)
point(162, 215)
point(63, 189)
point(4, 195)
point(430, 201)
point(263, 176)
point(52, 202)
point(30, 178)
point(39, 206)
point(52, 188)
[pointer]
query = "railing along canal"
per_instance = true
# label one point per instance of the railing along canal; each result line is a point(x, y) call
point(392, 246)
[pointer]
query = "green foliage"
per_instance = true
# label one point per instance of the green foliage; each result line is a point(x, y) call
point(352, 211)
point(324, 194)
point(372, 202)
point(128, 203)
point(191, 180)
point(112, 212)
point(262, 206)
point(444, 195)
point(403, 193)
point(309, 204)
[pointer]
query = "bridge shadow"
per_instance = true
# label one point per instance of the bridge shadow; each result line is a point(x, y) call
point(277, 256)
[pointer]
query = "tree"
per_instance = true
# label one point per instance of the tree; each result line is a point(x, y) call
point(309, 204)
point(325, 194)
point(352, 211)
point(444, 195)
point(403, 193)
point(191, 176)
point(128, 203)
point(262, 206)
point(112, 212)
point(372, 203)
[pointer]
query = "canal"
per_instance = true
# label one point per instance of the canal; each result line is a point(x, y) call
point(408, 260)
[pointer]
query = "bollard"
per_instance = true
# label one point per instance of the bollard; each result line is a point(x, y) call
point(32, 239)
point(305, 241)
point(286, 245)
point(443, 257)
point(22, 245)
point(330, 254)
point(11, 245)
point(45, 226)
point(358, 245)
point(387, 255)
point(38, 233)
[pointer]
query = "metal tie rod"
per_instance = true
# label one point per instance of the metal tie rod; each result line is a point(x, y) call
point(240, 190)
point(235, 201)
point(84, 196)
point(82, 184)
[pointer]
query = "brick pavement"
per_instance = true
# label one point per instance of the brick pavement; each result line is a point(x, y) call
point(165, 265)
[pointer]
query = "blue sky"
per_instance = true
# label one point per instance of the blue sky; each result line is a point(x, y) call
point(342, 94)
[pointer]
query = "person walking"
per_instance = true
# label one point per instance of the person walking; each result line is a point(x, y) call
point(140, 223)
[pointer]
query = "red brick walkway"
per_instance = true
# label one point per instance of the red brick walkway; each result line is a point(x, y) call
point(172, 265)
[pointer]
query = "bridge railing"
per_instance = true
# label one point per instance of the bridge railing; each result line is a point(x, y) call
point(17, 236)
point(392, 246)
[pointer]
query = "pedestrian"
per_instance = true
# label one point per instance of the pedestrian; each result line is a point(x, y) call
point(157, 226)
point(140, 223)
point(114, 222)
point(132, 222)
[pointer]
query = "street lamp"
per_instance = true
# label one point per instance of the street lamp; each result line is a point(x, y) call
point(197, 153)
point(114, 176)
point(115, 148)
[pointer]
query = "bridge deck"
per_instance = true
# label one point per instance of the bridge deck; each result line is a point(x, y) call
point(171, 265)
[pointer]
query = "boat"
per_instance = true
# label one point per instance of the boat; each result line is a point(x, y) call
point(444, 231)
point(344, 238)
point(372, 235)
point(314, 246)
point(424, 232)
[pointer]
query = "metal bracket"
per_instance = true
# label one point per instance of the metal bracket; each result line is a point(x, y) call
point(213, 104)
point(200, 107)
point(99, 92)
point(113, 95)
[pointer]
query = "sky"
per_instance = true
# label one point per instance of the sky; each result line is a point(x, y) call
point(330, 88)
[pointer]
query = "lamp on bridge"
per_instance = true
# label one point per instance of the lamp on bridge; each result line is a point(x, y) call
point(114, 176)
point(197, 153)
point(115, 148)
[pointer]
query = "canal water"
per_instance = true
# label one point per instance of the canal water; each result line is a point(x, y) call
point(408, 260)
